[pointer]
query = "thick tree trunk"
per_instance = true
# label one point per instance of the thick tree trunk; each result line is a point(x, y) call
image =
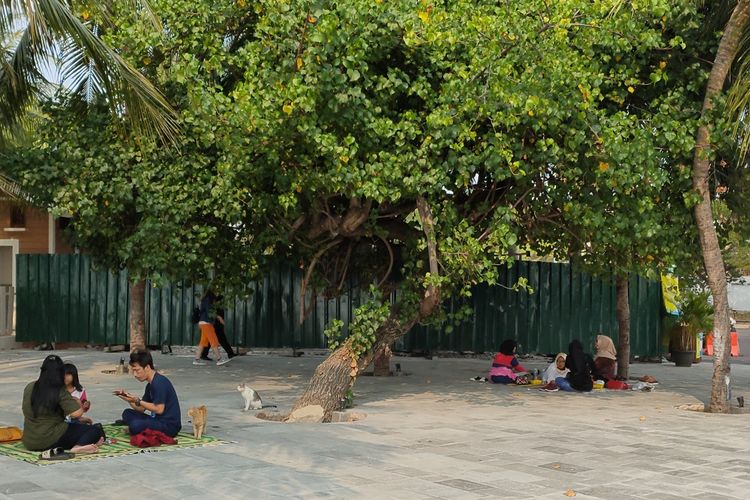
point(623, 323)
point(337, 374)
point(712, 259)
point(332, 379)
point(382, 363)
point(339, 371)
point(137, 315)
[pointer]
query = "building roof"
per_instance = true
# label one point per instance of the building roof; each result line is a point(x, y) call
point(10, 190)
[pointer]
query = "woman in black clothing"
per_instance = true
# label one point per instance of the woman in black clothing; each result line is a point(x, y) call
point(581, 366)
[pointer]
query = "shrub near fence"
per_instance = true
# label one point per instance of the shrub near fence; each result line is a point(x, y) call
point(61, 299)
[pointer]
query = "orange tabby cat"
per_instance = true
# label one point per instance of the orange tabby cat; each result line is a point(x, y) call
point(198, 414)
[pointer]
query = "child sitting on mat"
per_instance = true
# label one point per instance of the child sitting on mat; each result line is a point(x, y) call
point(505, 366)
point(74, 387)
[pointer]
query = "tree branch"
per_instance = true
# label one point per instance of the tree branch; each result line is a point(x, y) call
point(390, 263)
point(346, 265)
point(309, 272)
point(431, 299)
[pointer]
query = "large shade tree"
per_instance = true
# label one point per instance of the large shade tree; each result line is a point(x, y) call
point(414, 146)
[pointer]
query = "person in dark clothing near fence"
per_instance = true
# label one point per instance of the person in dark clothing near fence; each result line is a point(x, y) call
point(208, 338)
point(581, 366)
point(220, 335)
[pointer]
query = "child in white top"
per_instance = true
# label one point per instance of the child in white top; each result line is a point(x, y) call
point(556, 368)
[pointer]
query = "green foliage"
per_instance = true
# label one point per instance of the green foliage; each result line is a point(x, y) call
point(334, 332)
point(311, 128)
point(696, 313)
point(348, 401)
point(367, 319)
point(141, 205)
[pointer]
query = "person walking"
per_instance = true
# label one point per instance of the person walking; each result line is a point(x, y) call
point(208, 333)
point(220, 334)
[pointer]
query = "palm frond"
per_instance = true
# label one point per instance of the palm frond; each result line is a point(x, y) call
point(129, 94)
point(738, 97)
point(20, 78)
point(77, 72)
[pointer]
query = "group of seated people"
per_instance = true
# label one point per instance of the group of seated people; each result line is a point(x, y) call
point(574, 371)
point(54, 406)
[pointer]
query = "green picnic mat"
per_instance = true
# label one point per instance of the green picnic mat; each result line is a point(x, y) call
point(120, 447)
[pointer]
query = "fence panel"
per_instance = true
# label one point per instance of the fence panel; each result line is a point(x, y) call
point(60, 298)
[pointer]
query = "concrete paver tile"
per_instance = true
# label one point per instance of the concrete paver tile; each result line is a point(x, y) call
point(416, 436)
point(16, 487)
point(463, 484)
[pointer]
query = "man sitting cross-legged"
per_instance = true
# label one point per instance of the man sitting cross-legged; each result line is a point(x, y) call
point(159, 408)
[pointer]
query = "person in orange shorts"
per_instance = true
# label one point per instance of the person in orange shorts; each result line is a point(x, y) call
point(208, 334)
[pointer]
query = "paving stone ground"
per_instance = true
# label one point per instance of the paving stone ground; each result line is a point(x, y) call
point(431, 434)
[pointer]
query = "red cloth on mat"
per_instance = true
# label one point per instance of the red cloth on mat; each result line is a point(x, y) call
point(149, 438)
point(617, 385)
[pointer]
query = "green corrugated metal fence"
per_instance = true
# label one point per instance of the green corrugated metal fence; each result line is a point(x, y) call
point(59, 298)
point(565, 305)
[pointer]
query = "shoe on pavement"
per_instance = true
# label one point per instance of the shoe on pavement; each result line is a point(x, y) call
point(198, 362)
point(223, 361)
point(549, 387)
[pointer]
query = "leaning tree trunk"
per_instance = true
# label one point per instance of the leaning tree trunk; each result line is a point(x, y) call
point(623, 323)
point(137, 315)
point(337, 374)
point(712, 259)
point(382, 363)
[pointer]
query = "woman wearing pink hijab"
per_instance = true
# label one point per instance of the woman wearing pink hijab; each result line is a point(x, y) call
point(605, 359)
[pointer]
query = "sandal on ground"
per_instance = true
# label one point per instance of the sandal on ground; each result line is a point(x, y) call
point(55, 454)
point(101, 428)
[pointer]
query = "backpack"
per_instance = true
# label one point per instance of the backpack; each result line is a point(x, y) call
point(196, 317)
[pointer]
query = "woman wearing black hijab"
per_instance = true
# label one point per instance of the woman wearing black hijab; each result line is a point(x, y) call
point(581, 366)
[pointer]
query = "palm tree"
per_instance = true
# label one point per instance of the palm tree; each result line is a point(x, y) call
point(730, 45)
point(33, 31)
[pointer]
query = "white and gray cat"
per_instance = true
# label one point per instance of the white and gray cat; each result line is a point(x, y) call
point(252, 398)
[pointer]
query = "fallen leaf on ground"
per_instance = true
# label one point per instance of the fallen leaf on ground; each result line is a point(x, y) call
point(642, 418)
point(570, 493)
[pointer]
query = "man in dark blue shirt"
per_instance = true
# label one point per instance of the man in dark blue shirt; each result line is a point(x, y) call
point(159, 408)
